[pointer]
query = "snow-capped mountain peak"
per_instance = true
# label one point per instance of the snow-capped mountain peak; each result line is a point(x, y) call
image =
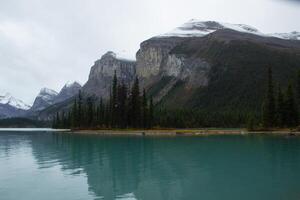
point(47, 94)
point(196, 28)
point(8, 99)
point(47, 91)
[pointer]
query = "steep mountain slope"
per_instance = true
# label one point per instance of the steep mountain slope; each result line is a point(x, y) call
point(237, 73)
point(44, 99)
point(69, 90)
point(212, 65)
point(102, 73)
point(11, 107)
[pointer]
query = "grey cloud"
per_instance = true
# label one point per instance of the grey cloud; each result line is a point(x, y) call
point(46, 43)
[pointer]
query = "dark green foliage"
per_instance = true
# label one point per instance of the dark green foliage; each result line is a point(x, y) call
point(298, 90)
point(114, 103)
point(122, 102)
point(151, 113)
point(145, 111)
point(281, 115)
point(90, 112)
point(22, 123)
point(135, 105)
point(291, 108)
point(269, 103)
point(250, 123)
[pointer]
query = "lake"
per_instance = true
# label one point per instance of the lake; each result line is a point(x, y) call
point(45, 165)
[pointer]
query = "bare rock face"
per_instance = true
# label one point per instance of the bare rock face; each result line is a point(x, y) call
point(45, 98)
point(101, 74)
point(152, 55)
point(155, 61)
point(68, 91)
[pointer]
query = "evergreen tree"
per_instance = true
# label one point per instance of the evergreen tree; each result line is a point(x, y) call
point(151, 114)
point(114, 100)
point(57, 121)
point(101, 112)
point(135, 105)
point(269, 103)
point(281, 120)
point(144, 110)
point(291, 108)
point(90, 112)
point(80, 110)
point(54, 122)
point(74, 115)
point(122, 105)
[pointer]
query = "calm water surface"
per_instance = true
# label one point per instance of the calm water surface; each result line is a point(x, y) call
point(43, 165)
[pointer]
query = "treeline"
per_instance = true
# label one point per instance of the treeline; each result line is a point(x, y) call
point(281, 108)
point(125, 108)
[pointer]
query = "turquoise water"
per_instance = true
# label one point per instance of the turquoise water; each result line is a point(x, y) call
point(57, 166)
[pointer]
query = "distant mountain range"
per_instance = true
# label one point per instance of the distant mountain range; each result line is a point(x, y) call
point(199, 65)
point(12, 107)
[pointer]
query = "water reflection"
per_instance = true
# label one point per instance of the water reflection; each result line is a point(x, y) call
point(169, 168)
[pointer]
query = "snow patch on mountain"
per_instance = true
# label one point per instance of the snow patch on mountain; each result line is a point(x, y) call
point(47, 94)
point(10, 100)
point(123, 55)
point(71, 84)
point(287, 36)
point(196, 28)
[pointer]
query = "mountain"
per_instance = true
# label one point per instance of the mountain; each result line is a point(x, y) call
point(45, 98)
point(11, 107)
point(69, 90)
point(209, 66)
point(102, 72)
point(215, 66)
point(48, 97)
point(52, 101)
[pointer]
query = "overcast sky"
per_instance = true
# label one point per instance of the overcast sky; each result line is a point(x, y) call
point(45, 43)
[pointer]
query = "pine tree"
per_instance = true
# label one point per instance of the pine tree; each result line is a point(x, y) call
point(298, 88)
point(151, 114)
point(280, 109)
point(54, 122)
point(122, 106)
point(101, 112)
point(291, 108)
point(74, 115)
point(57, 121)
point(135, 105)
point(114, 100)
point(80, 110)
point(144, 110)
point(90, 112)
point(269, 103)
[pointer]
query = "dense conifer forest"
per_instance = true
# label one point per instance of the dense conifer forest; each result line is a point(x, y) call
point(129, 108)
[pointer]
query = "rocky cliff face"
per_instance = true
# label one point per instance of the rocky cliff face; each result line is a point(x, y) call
point(45, 98)
point(155, 61)
point(69, 90)
point(101, 74)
